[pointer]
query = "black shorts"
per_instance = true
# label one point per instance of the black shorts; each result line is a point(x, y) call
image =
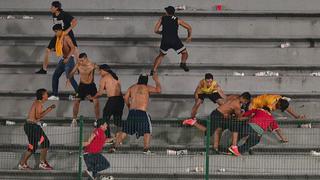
point(213, 96)
point(172, 44)
point(138, 122)
point(52, 43)
point(114, 107)
point(35, 136)
point(86, 89)
point(219, 121)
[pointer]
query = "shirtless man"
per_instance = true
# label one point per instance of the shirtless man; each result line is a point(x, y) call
point(222, 118)
point(65, 47)
point(35, 133)
point(138, 120)
point(87, 87)
point(207, 88)
point(110, 84)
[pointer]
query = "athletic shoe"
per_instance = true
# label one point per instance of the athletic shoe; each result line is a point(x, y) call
point(24, 167)
point(10, 123)
point(106, 178)
point(184, 67)
point(41, 71)
point(90, 174)
point(95, 123)
point(251, 152)
point(146, 152)
point(314, 153)
point(234, 150)
point(74, 123)
point(112, 150)
point(214, 152)
point(53, 98)
point(45, 166)
point(190, 122)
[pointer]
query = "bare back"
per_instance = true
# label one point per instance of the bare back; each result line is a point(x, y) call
point(86, 72)
point(111, 86)
point(139, 97)
point(231, 106)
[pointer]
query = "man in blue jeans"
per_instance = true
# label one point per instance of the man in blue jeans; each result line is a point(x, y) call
point(93, 158)
point(64, 47)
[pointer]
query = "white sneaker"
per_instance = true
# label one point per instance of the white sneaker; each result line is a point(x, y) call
point(10, 123)
point(90, 174)
point(24, 167)
point(53, 98)
point(314, 153)
point(74, 123)
point(106, 178)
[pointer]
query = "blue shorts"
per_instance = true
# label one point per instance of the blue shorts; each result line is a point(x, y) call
point(138, 122)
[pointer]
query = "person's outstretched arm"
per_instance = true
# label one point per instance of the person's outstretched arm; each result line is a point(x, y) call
point(186, 26)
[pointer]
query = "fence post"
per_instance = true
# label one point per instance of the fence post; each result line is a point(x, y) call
point(208, 147)
point(80, 148)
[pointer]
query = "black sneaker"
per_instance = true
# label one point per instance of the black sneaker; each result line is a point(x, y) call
point(41, 71)
point(184, 67)
point(251, 152)
point(214, 152)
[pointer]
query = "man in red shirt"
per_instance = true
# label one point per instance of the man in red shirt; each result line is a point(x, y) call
point(93, 158)
point(260, 121)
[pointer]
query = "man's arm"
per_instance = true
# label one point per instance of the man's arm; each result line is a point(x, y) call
point(40, 113)
point(74, 70)
point(127, 97)
point(102, 85)
point(220, 91)
point(186, 26)
point(92, 136)
point(283, 139)
point(237, 110)
point(74, 23)
point(294, 114)
point(157, 26)
point(156, 89)
point(197, 90)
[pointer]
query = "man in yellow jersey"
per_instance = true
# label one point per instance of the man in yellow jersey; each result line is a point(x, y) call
point(274, 102)
point(207, 88)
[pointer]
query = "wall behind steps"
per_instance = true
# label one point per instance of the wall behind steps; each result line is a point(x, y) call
point(240, 5)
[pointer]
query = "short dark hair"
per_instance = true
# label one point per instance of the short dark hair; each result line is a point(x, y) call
point(208, 76)
point(57, 4)
point(246, 95)
point(266, 108)
point(143, 79)
point(283, 104)
point(100, 122)
point(40, 93)
point(57, 27)
point(104, 67)
point(170, 10)
point(83, 55)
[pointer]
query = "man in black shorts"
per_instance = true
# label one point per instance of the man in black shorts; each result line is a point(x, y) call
point(170, 39)
point(34, 132)
point(87, 87)
point(68, 22)
point(110, 84)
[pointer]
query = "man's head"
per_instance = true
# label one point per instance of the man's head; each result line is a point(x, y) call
point(102, 124)
point(83, 58)
point(282, 104)
point(245, 97)
point(208, 77)
point(143, 79)
point(266, 108)
point(104, 68)
point(56, 6)
point(57, 28)
point(170, 10)
point(42, 94)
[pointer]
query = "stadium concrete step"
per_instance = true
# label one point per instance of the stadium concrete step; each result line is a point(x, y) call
point(144, 25)
point(170, 107)
point(142, 52)
point(175, 84)
point(164, 136)
point(162, 165)
point(228, 5)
